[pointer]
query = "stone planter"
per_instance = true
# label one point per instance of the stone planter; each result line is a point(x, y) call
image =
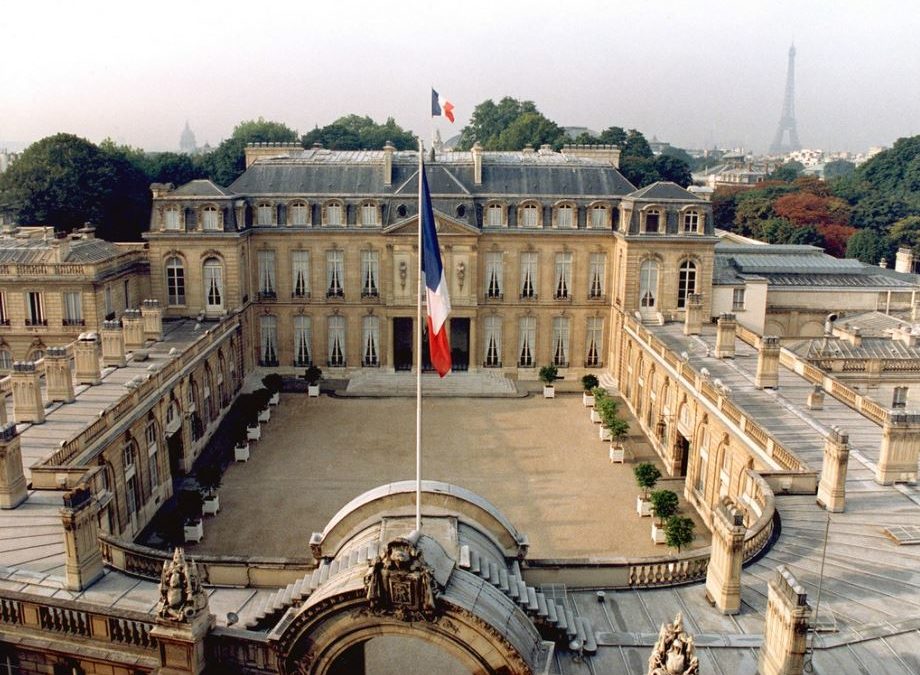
point(211, 505)
point(643, 506)
point(265, 415)
point(549, 391)
point(604, 434)
point(617, 453)
point(313, 390)
point(194, 531)
point(241, 452)
point(658, 534)
point(587, 400)
point(275, 398)
point(253, 433)
point(595, 417)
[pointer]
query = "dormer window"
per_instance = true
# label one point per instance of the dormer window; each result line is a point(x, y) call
point(171, 220)
point(690, 222)
point(334, 214)
point(652, 220)
point(599, 217)
point(210, 218)
point(530, 215)
point(298, 214)
point(565, 216)
point(265, 214)
point(369, 217)
point(495, 215)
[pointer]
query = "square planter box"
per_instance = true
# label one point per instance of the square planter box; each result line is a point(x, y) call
point(211, 505)
point(587, 400)
point(313, 390)
point(253, 433)
point(604, 434)
point(241, 452)
point(265, 415)
point(595, 417)
point(193, 532)
point(617, 453)
point(275, 399)
point(658, 534)
point(549, 392)
point(643, 506)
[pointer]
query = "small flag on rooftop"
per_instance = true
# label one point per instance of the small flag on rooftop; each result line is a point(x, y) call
point(441, 106)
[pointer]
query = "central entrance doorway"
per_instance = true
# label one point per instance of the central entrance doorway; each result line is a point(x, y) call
point(402, 343)
point(460, 344)
point(682, 454)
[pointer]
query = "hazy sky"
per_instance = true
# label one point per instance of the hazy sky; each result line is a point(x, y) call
point(692, 73)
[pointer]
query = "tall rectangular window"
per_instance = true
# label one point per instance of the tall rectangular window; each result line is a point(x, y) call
point(596, 272)
point(737, 299)
point(369, 274)
point(495, 215)
point(73, 308)
point(529, 274)
point(563, 282)
point(153, 469)
point(35, 309)
point(334, 214)
point(267, 285)
point(527, 341)
point(265, 214)
point(598, 217)
point(175, 282)
point(303, 341)
point(691, 221)
point(300, 267)
point(171, 219)
point(4, 315)
point(703, 466)
point(369, 214)
point(210, 218)
point(493, 342)
point(108, 302)
point(336, 342)
point(130, 478)
point(370, 342)
point(494, 274)
point(335, 271)
point(899, 397)
point(268, 341)
point(594, 342)
point(561, 341)
point(299, 214)
point(565, 216)
point(652, 217)
point(530, 215)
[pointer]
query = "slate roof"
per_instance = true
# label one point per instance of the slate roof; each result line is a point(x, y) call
point(870, 348)
point(36, 250)
point(854, 279)
point(663, 190)
point(872, 324)
point(200, 187)
point(324, 172)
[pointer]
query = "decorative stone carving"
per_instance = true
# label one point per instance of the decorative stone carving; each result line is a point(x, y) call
point(400, 583)
point(181, 594)
point(674, 652)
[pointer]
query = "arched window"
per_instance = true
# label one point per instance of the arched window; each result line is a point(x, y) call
point(648, 283)
point(690, 222)
point(530, 215)
point(652, 220)
point(334, 214)
point(213, 285)
point(298, 214)
point(265, 214)
point(599, 217)
point(175, 281)
point(210, 218)
point(686, 282)
point(495, 215)
point(565, 216)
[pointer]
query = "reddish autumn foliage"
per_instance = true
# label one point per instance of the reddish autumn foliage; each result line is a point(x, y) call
point(835, 238)
point(807, 208)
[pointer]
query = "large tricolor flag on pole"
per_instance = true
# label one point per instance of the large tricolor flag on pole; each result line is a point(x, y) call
point(440, 106)
point(435, 285)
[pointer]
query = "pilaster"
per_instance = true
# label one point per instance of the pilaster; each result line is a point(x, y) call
point(900, 447)
point(832, 487)
point(725, 337)
point(58, 375)
point(786, 626)
point(86, 359)
point(13, 490)
point(113, 344)
point(83, 563)
point(767, 376)
point(27, 393)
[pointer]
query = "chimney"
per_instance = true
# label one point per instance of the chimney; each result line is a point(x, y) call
point(388, 150)
point(477, 163)
point(601, 152)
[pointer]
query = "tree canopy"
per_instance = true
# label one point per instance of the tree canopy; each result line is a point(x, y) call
point(354, 132)
point(227, 161)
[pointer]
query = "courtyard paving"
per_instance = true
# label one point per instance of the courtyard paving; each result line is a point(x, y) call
point(540, 461)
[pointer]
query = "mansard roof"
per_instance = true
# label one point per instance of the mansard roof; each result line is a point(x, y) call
point(661, 190)
point(200, 187)
point(325, 172)
point(38, 250)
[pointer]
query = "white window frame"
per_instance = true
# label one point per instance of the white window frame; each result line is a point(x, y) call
point(268, 340)
point(107, 300)
point(153, 468)
point(594, 342)
point(370, 342)
point(529, 276)
point(210, 219)
point(561, 341)
point(35, 309)
point(527, 338)
point(660, 215)
point(4, 315)
point(492, 358)
point(370, 274)
point(212, 271)
point(299, 214)
point(690, 222)
point(300, 274)
point(72, 302)
point(648, 283)
point(268, 282)
point(175, 281)
point(336, 346)
point(334, 214)
point(599, 218)
point(370, 214)
point(530, 215)
point(335, 273)
point(566, 216)
point(494, 275)
point(597, 273)
point(303, 341)
point(172, 219)
point(6, 359)
point(687, 281)
point(562, 283)
point(495, 215)
point(738, 299)
point(265, 214)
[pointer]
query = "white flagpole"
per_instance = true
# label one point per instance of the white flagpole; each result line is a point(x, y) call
point(418, 358)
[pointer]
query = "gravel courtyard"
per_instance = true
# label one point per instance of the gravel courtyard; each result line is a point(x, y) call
point(538, 460)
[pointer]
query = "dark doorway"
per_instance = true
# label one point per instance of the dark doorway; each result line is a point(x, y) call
point(460, 344)
point(402, 343)
point(682, 451)
point(174, 445)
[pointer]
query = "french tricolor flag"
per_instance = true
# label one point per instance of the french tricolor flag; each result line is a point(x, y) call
point(435, 285)
point(440, 106)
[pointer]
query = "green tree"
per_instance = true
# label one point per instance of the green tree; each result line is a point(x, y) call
point(127, 210)
point(879, 211)
point(635, 145)
point(530, 129)
point(640, 171)
point(226, 162)
point(664, 504)
point(750, 212)
point(354, 132)
point(805, 235)
point(838, 168)
point(868, 246)
point(906, 232)
point(673, 169)
point(489, 120)
point(171, 167)
point(788, 172)
point(725, 205)
point(679, 153)
point(613, 136)
point(679, 532)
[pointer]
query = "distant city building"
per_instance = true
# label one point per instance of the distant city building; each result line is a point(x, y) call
point(7, 158)
point(806, 157)
point(787, 135)
point(187, 142)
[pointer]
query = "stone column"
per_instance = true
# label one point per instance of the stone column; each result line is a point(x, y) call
point(27, 393)
point(86, 359)
point(58, 378)
point(693, 314)
point(113, 344)
point(900, 448)
point(83, 557)
point(815, 400)
point(153, 320)
point(786, 626)
point(183, 619)
point(832, 488)
point(723, 576)
point(725, 337)
point(767, 376)
point(133, 329)
point(12, 481)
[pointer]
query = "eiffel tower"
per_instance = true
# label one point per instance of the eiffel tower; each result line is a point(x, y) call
point(787, 120)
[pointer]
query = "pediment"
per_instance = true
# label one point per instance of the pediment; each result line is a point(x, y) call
point(443, 223)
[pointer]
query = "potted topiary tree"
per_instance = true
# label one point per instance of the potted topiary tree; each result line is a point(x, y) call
point(313, 375)
point(548, 375)
point(619, 431)
point(588, 383)
point(679, 532)
point(606, 409)
point(647, 474)
point(273, 382)
point(599, 394)
point(209, 478)
point(249, 412)
point(664, 505)
point(189, 503)
point(261, 398)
